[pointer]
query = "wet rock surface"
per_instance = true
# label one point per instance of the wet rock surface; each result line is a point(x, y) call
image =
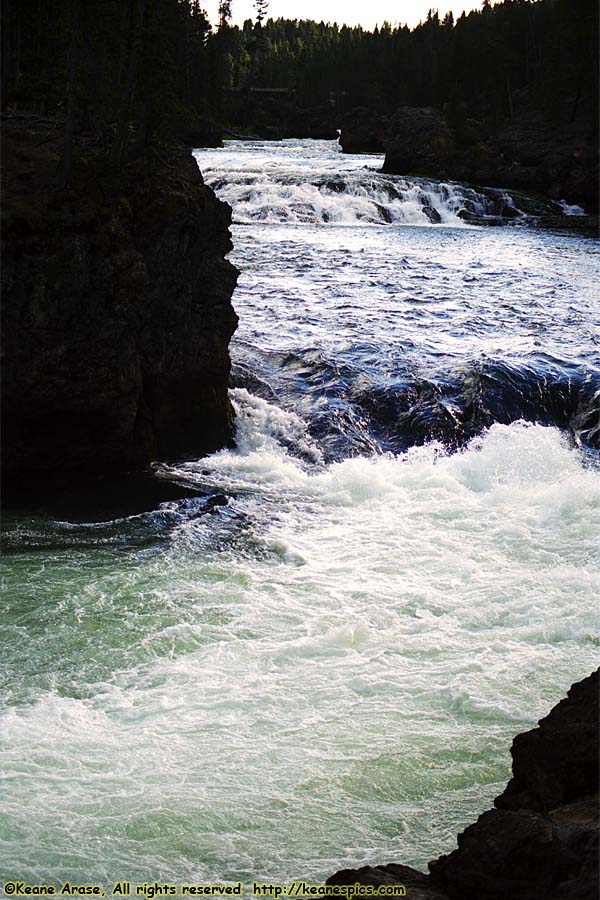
point(542, 840)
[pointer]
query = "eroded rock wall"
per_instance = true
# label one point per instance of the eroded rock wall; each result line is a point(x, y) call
point(116, 314)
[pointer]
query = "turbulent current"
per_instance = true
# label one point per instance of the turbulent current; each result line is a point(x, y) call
point(318, 655)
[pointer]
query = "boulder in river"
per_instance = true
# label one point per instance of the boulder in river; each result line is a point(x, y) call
point(362, 131)
point(542, 840)
point(558, 160)
point(418, 142)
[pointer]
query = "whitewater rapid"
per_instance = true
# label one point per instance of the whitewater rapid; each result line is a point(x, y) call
point(319, 185)
point(318, 658)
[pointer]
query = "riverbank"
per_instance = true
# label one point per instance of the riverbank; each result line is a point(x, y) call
point(542, 838)
point(116, 310)
point(555, 161)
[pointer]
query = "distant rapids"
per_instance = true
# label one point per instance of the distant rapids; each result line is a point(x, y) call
point(389, 335)
point(359, 199)
point(312, 651)
point(259, 191)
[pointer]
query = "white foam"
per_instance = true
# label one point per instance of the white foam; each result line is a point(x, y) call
point(571, 209)
point(288, 191)
point(363, 199)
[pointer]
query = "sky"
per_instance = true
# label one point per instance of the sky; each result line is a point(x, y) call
point(350, 12)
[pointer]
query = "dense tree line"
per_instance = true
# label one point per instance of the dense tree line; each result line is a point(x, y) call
point(547, 48)
point(128, 71)
point(122, 71)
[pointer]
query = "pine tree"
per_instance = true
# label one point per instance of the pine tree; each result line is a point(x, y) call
point(261, 7)
point(224, 14)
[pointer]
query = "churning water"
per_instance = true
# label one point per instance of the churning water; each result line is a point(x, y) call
point(319, 658)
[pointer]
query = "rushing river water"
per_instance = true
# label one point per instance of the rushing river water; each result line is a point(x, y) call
point(320, 657)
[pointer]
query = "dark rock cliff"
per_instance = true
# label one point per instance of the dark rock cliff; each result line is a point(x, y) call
point(418, 141)
point(116, 313)
point(362, 131)
point(542, 839)
point(528, 153)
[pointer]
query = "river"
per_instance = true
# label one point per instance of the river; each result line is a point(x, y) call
point(319, 658)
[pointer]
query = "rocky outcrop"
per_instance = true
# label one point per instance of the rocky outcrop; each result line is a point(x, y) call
point(558, 161)
point(525, 855)
point(542, 839)
point(116, 312)
point(418, 886)
point(315, 122)
point(362, 131)
point(527, 153)
point(418, 142)
point(204, 133)
point(557, 762)
point(273, 114)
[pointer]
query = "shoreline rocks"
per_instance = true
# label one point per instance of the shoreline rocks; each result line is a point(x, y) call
point(541, 840)
point(557, 762)
point(116, 313)
point(527, 153)
point(362, 131)
point(418, 141)
point(205, 133)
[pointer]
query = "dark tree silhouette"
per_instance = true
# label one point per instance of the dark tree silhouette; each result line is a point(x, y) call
point(134, 71)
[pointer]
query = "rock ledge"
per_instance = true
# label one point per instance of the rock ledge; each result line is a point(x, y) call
point(542, 839)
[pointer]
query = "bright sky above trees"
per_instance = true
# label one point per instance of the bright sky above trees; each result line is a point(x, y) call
point(349, 12)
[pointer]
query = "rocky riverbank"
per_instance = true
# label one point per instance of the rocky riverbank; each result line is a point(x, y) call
point(116, 313)
point(558, 161)
point(541, 840)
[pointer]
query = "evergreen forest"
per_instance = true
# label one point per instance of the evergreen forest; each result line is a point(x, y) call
point(130, 72)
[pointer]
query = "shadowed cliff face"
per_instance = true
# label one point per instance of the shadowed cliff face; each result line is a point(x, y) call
point(526, 154)
point(116, 314)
